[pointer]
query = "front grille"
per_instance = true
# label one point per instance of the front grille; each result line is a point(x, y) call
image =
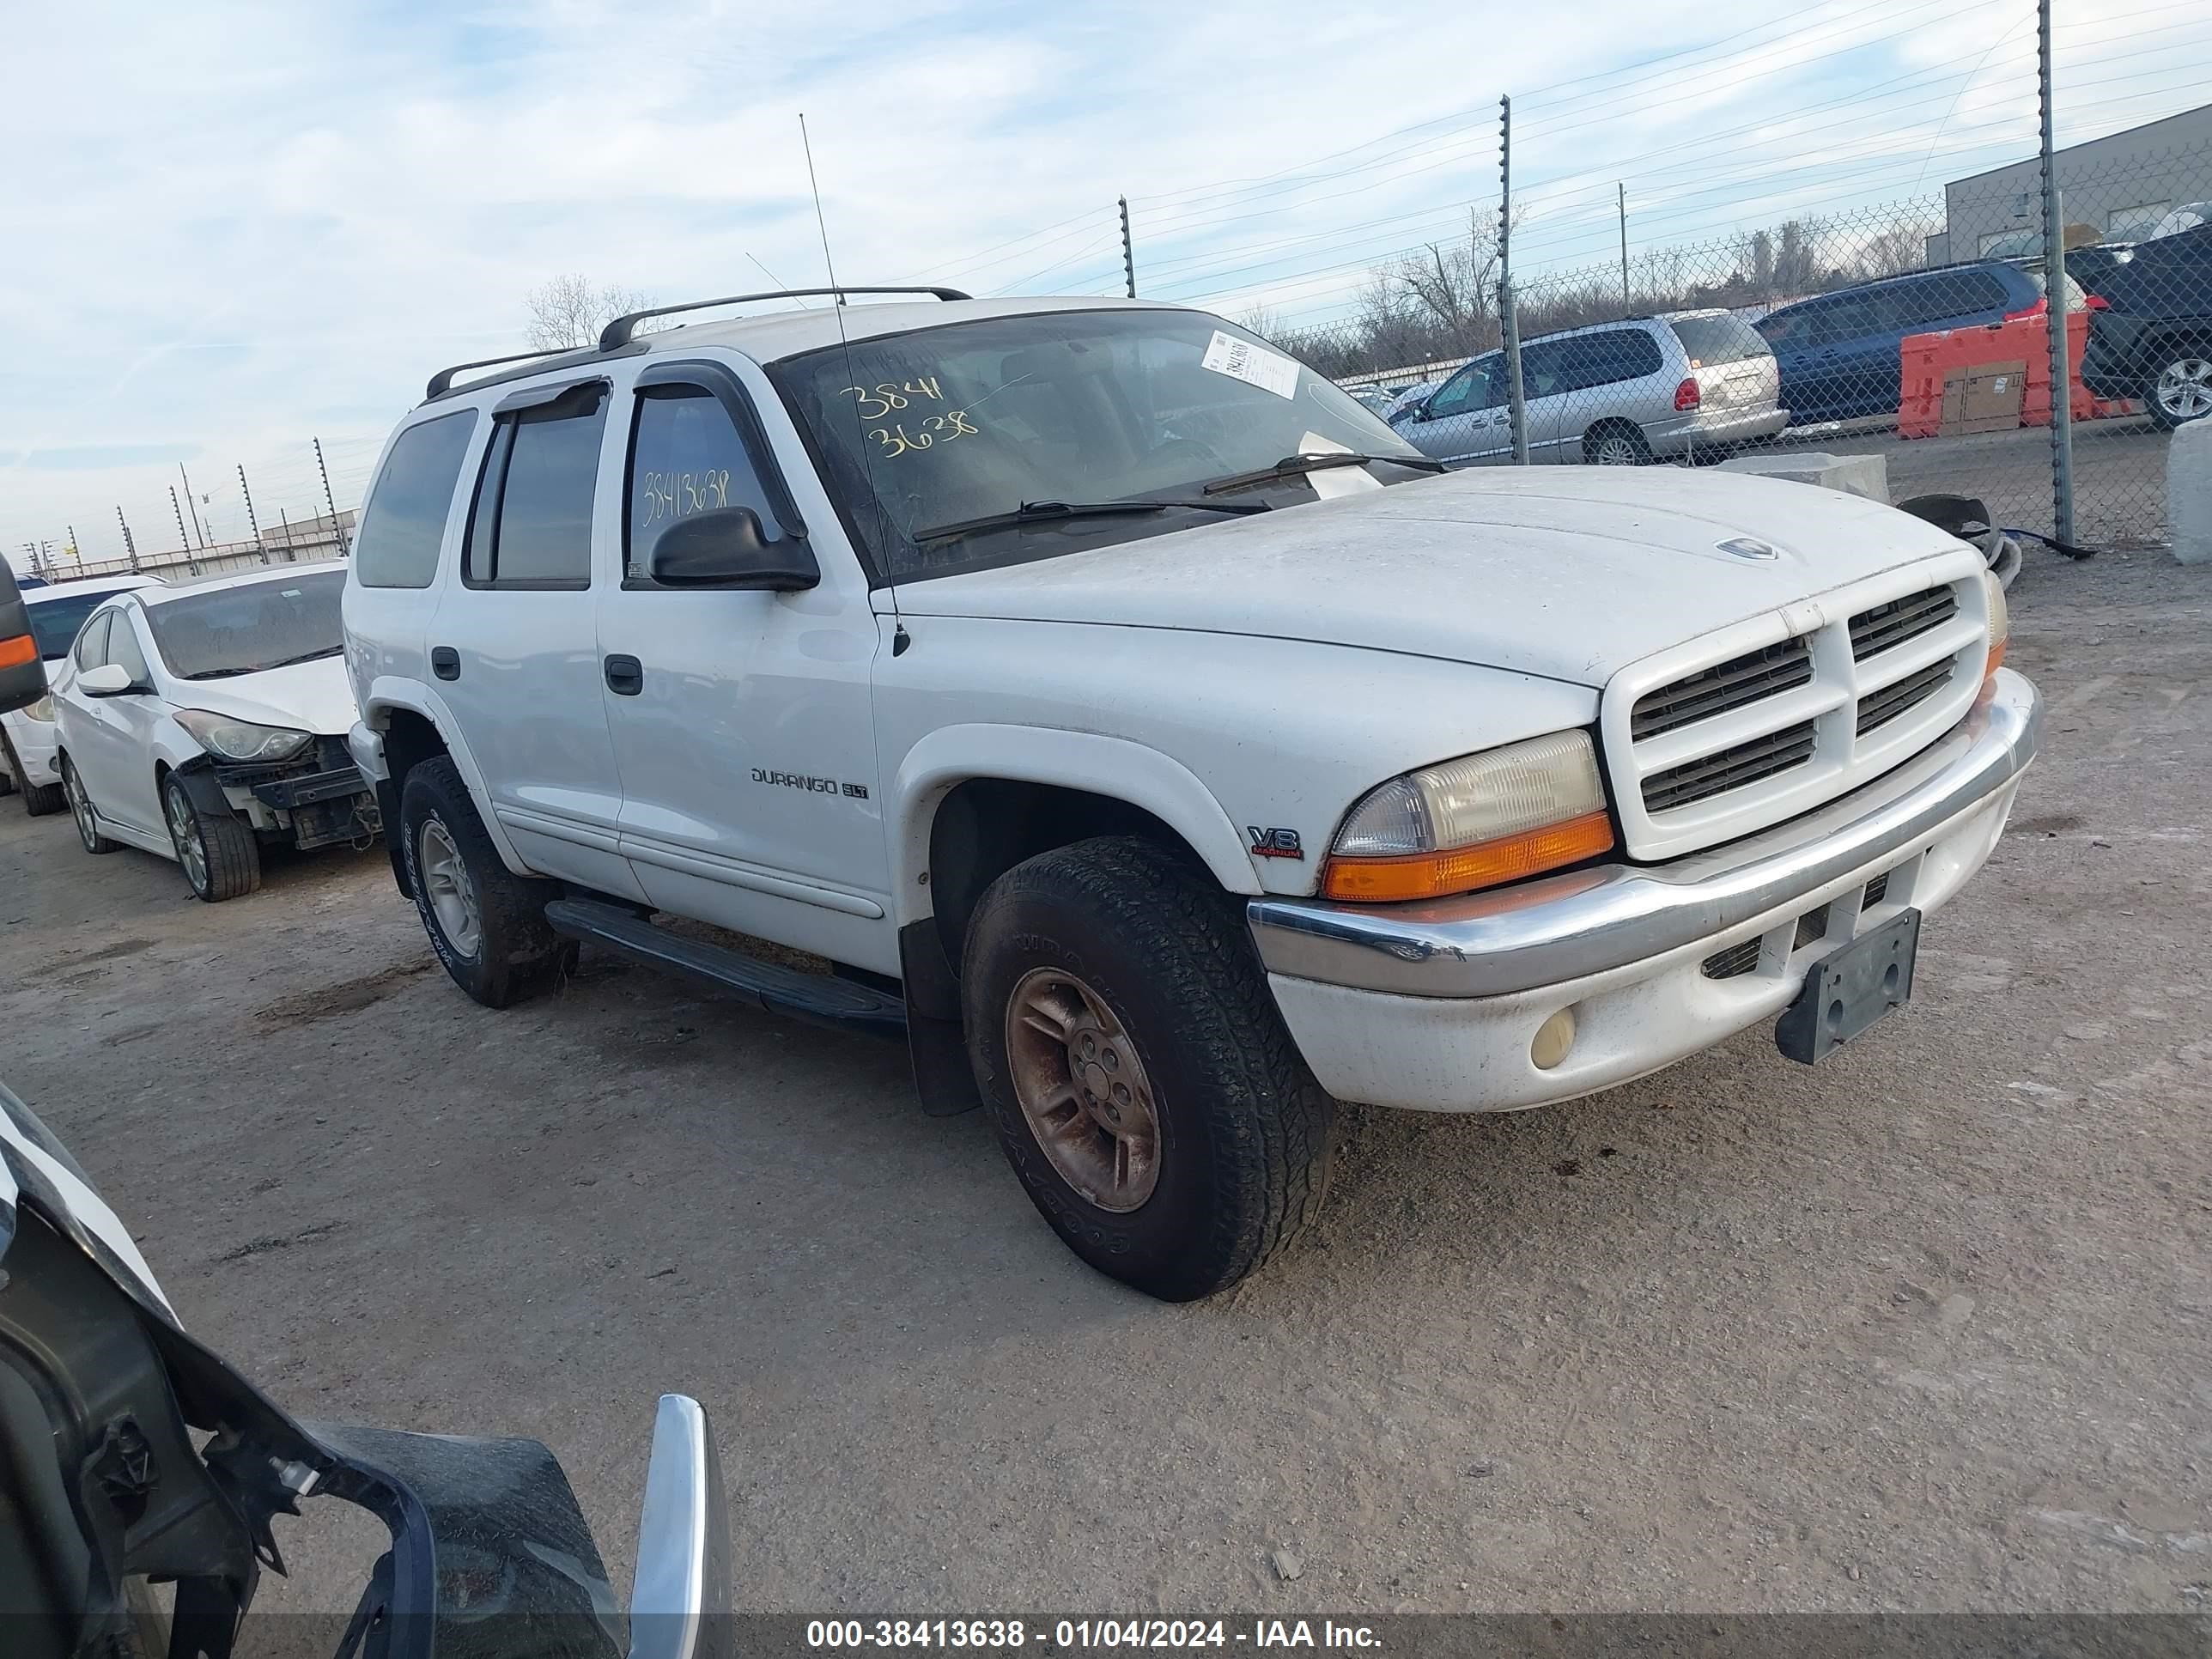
point(1737, 960)
point(1731, 768)
point(1731, 684)
point(1879, 708)
point(1876, 891)
point(1882, 626)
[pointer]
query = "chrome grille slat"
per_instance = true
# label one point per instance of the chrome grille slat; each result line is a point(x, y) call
point(1887, 704)
point(1748, 678)
point(1731, 768)
point(1880, 627)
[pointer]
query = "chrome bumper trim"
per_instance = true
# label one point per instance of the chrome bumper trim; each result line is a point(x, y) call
point(1565, 928)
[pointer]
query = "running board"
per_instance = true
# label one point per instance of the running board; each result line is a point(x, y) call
point(816, 997)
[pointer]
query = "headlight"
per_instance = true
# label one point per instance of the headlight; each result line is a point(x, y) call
point(1999, 622)
point(1473, 823)
point(41, 710)
point(241, 741)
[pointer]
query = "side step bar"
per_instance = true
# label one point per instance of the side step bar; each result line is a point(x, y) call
point(817, 997)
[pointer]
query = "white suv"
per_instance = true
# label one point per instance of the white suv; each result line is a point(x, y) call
point(1122, 715)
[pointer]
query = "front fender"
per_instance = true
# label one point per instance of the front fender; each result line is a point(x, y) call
point(1129, 771)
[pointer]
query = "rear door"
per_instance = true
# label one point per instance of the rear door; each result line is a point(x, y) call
point(391, 584)
point(514, 647)
point(1606, 375)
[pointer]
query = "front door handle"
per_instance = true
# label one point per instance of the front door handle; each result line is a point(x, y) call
point(625, 676)
point(444, 662)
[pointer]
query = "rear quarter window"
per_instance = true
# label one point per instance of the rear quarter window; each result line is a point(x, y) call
point(1711, 340)
point(405, 522)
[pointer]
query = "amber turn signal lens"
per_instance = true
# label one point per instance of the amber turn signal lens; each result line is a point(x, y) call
point(1997, 659)
point(15, 652)
point(1463, 869)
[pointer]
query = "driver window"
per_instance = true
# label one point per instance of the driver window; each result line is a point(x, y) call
point(1464, 391)
point(686, 457)
point(123, 650)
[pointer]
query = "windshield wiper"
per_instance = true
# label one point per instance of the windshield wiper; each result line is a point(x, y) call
point(1039, 511)
point(1297, 466)
point(264, 667)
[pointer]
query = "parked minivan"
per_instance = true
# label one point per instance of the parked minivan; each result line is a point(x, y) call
point(1688, 386)
point(1839, 352)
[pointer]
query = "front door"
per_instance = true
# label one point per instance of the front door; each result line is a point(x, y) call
point(513, 644)
point(114, 744)
point(742, 719)
point(1465, 421)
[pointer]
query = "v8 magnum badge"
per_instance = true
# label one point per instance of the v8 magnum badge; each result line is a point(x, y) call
point(1274, 843)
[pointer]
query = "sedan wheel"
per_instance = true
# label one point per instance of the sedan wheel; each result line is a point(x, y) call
point(221, 858)
point(2184, 390)
point(185, 836)
point(80, 805)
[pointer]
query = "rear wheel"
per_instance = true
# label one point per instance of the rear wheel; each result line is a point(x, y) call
point(2181, 390)
point(221, 859)
point(486, 923)
point(1145, 1089)
point(39, 799)
point(1615, 443)
point(80, 805)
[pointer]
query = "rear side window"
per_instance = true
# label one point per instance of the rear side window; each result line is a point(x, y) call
point(532, 523)
point(405, 519)
point(1942, 296)
point(1711, 340)
point(687, 458)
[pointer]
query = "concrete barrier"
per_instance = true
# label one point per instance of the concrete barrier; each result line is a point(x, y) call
point(1855, 475)
point(2189, 491)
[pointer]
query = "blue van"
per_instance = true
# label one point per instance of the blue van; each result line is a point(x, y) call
point(1838, 352)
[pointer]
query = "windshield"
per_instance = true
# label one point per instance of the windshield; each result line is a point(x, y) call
point(54, 621)
point(965, 421)
point(242, 630)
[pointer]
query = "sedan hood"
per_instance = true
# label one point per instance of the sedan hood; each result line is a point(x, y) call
point(1568, 571)
point(307, 697)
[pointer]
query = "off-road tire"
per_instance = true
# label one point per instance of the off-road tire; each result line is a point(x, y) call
point(229, 862)
point(517, 955)
point(88, 818)
point(1244, 1130)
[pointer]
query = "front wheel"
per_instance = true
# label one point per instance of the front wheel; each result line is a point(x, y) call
point(2181, 391)
point(486, 923)
point(1144, 1086)
point(221, 859)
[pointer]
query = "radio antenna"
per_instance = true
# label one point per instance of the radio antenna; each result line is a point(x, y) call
point(821, 224)
point(899, 640)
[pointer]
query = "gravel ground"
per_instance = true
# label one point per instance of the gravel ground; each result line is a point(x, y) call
point(1927, 1328)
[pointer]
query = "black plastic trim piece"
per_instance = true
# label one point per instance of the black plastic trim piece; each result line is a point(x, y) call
point(825, 1001)
point(530, 362)
point(617, 333)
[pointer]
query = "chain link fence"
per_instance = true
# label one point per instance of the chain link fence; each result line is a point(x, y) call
point(1915, 331)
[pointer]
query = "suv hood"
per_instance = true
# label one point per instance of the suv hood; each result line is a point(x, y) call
point(1569, 572)
point(307, 697)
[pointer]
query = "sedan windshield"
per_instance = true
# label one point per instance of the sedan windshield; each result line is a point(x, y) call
point(242, 630)
point(965, 424)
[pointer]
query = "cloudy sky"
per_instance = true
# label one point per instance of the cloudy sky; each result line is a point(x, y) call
point(232, 228)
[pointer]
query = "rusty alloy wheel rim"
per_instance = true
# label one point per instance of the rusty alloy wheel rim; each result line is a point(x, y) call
point(1083, 1090)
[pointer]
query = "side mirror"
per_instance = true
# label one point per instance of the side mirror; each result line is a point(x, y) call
point(726, 548)
point(108, 680)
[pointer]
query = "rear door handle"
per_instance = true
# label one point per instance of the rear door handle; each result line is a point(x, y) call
point(625, 676)
point(444, 662)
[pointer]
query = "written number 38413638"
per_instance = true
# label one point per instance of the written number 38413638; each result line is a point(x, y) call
point(917, 395)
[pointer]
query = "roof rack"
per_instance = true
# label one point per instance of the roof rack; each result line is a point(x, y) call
point(620, 331)
point(442, 382)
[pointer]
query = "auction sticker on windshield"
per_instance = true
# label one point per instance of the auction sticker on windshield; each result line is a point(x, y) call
point(1240, 360)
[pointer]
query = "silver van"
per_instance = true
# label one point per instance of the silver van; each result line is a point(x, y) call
point(1689, 385)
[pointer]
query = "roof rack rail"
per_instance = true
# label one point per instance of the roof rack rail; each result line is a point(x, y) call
point(442, 382)
point(620, 331)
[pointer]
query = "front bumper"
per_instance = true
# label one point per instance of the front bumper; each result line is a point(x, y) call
point(318, 799)
point(37, 744)
point(1435, 1004)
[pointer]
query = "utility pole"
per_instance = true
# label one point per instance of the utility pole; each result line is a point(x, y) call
point(253, 523)
point(1516, 404)
point(1622, 191)
point(130, 546)
point(330, 501)
point(179, 511)
point(197, 531)
point(32, 548)
point(283, 520)
point(76, 553)
point(1128, 249)
point(2054, 287)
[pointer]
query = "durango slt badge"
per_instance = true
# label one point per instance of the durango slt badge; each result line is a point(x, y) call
point(816, 786)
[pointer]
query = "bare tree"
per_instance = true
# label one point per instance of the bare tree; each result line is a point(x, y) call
point(567, 312)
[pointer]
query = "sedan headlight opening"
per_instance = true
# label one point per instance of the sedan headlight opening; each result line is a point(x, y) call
point(1476, 822)
point(230, 739)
